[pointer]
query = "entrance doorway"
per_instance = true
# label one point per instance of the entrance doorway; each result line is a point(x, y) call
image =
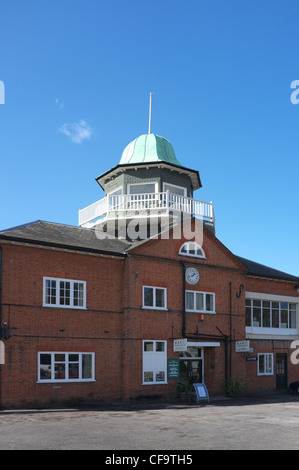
point(191, 365)
point(281, 371)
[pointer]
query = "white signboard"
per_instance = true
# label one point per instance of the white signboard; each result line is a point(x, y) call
point(242, 346)
point(180, 344)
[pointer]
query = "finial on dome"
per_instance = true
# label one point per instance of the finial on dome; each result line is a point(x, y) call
point(150, 114)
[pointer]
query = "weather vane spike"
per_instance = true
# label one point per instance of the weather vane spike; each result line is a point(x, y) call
point(150, 114)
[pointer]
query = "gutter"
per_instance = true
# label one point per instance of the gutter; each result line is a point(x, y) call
point(61, 246)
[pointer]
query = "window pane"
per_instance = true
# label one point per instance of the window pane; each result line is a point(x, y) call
point(284, 319)
point(174, 189)
point(86, 366)
point(160, 376)
point(50, 292)
point(266, 317)
point(269, 367)
point(45, 367)
point(189, 301)
point(248, 316)
point(78, 294)
point(73, 357)
point(256, 316)
point(275, 316)
point(142, 188)
point(292, 318)
point(160, 346)
point(73, 370)
point(148, 376)
point(209, 302)
point(148, 346)
point(148, 296)
point(59, 371)
point(65, 293)
point(59, 357)
point(261, 359)
point(160, 302)
point(199, 302)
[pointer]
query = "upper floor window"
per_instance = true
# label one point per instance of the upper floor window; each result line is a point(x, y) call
point(271, 315)
point(64, 293)
point(173, 189)
point(142, 188)
point(192, 249)
point(154, 297)
point(202, 302)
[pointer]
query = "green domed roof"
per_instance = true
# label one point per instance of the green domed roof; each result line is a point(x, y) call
point(149, 148)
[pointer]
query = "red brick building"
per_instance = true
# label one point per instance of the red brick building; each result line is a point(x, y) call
point(94, 313)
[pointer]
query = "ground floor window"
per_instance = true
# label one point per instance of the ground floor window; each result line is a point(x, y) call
point(154, 361)
point(65, 367)
point(265, 364)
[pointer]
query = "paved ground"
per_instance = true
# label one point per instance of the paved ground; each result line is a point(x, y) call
point(259, 423)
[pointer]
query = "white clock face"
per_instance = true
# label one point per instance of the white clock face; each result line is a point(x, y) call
point(192, 275)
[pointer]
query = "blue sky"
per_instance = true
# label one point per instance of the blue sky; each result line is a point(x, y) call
point(77, 78)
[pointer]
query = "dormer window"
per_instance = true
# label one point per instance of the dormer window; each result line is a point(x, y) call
point(192, 249)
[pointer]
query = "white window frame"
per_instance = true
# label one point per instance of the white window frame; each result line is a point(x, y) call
point(268, 361)
point(154, 362)
point(197, 246)
point(270, 331)
point(153, 307)
point(175, 186)
point(155, 183)
point(57, 303)
point(66, 363)
point(194, 292)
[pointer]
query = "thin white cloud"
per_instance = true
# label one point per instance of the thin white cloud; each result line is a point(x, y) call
point(77, 131)
point(60, 105)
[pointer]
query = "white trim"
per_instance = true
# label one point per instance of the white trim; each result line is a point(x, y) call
point(139, 184)
point(153, 307)
point(272, 331)
point(149, 362)
point(66, 362)
point(274, 297)
point(175, 186)
point(203, 344)
point(114, 191)
point(263, 374)
point(204, 311)
point(203, 256)
point(57, 303)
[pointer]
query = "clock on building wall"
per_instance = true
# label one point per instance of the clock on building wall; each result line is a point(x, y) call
point(192, 276)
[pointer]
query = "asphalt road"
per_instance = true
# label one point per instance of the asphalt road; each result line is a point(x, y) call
point(243, 424)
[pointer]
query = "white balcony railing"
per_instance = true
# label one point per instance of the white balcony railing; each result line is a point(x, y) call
point(132, 205)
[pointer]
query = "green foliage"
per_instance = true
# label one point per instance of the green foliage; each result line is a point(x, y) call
point(236, 387)
point(184, 386)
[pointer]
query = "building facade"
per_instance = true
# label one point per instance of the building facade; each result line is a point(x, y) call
point(140, 296)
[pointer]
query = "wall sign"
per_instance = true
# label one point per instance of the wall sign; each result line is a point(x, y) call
point(242, 346)
point(173, 368)
point(180, 344)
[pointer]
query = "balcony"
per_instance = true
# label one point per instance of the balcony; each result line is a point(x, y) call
point(130, 206)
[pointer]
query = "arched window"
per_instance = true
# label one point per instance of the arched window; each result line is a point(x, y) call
point(192, 249)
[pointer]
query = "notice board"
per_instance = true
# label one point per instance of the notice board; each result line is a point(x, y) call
point(173, 368)
point(201, 392)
